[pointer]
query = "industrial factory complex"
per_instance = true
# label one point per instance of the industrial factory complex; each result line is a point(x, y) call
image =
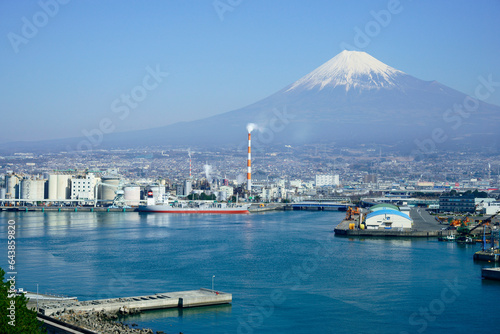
point(317, 177)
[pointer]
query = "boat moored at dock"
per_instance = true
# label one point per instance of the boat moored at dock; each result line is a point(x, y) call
point(180, 206)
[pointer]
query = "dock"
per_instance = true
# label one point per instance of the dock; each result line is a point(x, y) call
point(342, 229)
point(265, 207)
point(491, 273)
point(487, 255)
point(182, 299)
point(64, 209)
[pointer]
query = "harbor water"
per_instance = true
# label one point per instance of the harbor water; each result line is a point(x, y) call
point(287, 272)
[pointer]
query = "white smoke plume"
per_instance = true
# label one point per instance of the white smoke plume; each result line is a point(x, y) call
point(189, 152)
point(240, 178)
point(251, 127)
point(208, 170)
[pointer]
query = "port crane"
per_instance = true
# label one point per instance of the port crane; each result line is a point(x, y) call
point(351, 212)
point(487, 221)
point(465, 233)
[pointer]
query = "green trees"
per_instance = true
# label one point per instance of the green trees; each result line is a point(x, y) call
point(15, 317)
point(476, 193)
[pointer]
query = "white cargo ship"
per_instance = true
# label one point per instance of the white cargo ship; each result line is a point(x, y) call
point(192, 207)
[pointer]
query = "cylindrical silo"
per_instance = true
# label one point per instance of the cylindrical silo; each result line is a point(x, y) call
point(109, 187)
point(32, 189)
point(132, 195)
point(63, 187)
point(12, 186)
point(2, 193)
point(39, 190)
point(25, 187)
point(222, 196)
point(53, 187)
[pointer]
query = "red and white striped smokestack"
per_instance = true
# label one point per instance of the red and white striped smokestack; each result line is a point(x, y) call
point(249, 163)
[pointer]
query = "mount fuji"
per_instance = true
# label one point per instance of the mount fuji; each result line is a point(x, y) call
point(350, 69)
point(351, 99)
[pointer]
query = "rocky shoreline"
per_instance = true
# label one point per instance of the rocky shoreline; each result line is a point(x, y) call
point(103, 322)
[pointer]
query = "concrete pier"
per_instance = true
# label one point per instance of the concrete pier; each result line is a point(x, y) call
point(264, 207)
point(343, 229)
point(487, 255)
point(182, 299)
point(491, 273)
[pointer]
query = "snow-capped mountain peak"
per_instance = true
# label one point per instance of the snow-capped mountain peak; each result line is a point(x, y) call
point(352, 69)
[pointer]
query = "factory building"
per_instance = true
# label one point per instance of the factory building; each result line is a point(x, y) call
point(490, 207)
point(228, 190)
point(457, 204)
point(269, 194)
point(179, 190)
point(327, 180)
point(388, 219)
point(84, 188)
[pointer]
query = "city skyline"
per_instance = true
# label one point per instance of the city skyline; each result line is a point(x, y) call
point(198, 59)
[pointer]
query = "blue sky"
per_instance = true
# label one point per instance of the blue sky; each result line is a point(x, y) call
point(64, 78)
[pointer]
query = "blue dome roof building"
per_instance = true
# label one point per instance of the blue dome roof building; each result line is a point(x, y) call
point(388, 218)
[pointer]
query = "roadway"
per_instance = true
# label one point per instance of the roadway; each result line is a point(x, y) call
point(423, 221)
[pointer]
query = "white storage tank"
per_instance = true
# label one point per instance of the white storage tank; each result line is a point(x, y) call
point(25, 189)
point(12, 186)
point(52, 187)
point(2, 193)
point(221, 195)
point(108, 189)
point(32, 189)
point(63, 186)
point(40, 189)
point(132, 195)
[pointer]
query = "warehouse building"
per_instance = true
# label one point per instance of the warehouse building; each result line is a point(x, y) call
point(384, 217)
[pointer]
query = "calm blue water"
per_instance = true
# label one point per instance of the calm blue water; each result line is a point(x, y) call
point(287, 271)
